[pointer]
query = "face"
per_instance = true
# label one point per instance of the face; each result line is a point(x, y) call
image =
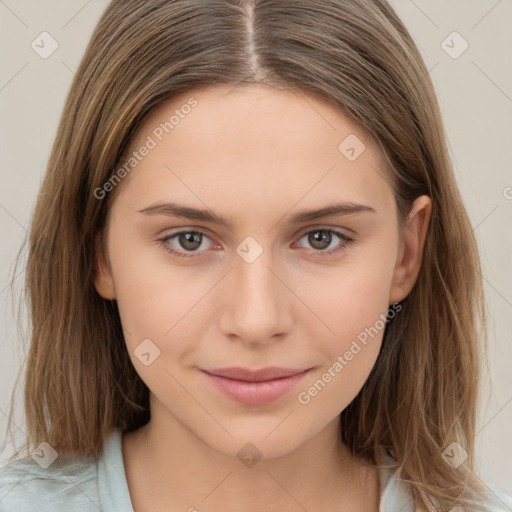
point(255, 279)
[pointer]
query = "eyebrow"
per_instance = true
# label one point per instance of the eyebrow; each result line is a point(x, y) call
point(187, 212)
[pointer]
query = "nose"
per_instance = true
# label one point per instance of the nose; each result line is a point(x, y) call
point(256, 307)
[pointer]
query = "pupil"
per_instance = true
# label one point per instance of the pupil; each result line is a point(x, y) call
point(190, 241)
point(320, 239)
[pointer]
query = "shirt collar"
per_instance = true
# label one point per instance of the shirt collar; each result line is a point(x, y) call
point(112, 485)
point(395, 494)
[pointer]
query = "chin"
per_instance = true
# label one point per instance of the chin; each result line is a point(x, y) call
point(256, 443)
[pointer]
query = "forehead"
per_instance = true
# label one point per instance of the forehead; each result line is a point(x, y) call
point(245, 143)
point(252, 113)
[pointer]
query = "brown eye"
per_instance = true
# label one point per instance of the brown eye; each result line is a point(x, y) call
point(190, 240)
point(320, 239)
point(185, 243)
point(327, 242)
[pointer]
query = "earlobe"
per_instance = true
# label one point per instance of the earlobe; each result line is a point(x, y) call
point(103, 281)
point(411, 255)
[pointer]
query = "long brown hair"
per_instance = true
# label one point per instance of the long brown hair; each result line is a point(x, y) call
point(421, 395)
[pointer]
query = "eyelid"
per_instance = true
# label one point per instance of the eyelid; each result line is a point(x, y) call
point(344, 241)
point(325, 227)
point(166, 237)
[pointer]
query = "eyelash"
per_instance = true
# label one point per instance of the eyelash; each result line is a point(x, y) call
point(347, 241)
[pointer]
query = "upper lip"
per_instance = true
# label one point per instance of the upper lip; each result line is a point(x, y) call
point(245, 374)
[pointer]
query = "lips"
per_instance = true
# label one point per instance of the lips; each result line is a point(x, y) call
point(255, 387)
point(247, 375)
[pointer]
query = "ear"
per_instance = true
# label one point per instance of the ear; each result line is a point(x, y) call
point(103, 281)
point(411, 252)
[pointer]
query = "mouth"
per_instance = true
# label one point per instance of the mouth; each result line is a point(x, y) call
point(255, 387)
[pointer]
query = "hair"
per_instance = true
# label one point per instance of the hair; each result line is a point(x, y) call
point(422, 393)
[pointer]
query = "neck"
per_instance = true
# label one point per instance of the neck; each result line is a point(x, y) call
point(168, 467)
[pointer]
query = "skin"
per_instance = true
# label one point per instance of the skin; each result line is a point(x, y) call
point(255, 155)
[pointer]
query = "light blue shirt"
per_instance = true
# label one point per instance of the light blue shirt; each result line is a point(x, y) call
point(89, 485)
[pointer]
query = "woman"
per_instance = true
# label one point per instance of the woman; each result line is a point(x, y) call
point(245, 272)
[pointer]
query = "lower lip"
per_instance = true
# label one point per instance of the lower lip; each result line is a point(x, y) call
point(255, 393)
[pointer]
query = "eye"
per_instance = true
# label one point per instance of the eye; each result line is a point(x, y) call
point(321, 239)
point(190, 242)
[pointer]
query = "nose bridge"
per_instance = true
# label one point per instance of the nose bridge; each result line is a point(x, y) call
point(254, 307)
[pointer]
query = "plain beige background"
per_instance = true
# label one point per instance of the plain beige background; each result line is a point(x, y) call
point(475, 93)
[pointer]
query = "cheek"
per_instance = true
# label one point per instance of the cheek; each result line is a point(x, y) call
point(350, 298)
point(351, 305)
point(152, 294)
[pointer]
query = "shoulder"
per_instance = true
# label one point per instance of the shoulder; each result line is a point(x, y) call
point(67, 484)
point(499, 500)
point(396, 494)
